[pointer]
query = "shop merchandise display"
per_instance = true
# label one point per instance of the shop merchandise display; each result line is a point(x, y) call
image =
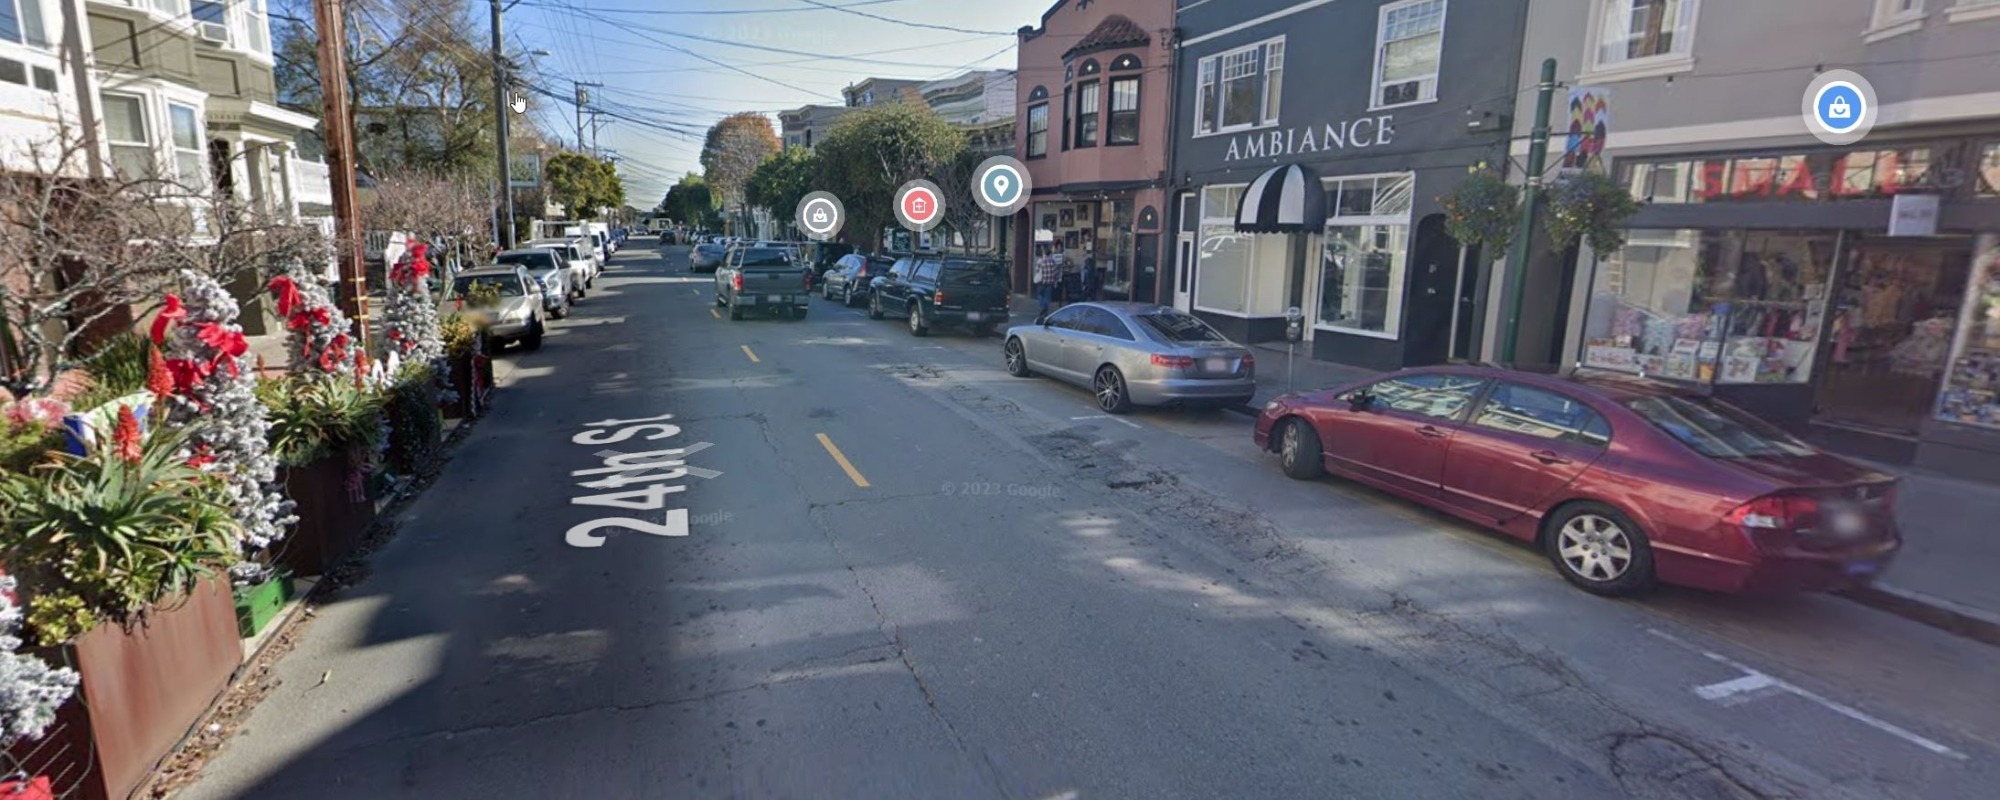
point(1972, 391)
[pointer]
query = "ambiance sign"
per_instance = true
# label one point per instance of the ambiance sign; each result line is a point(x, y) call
point(1354, 134)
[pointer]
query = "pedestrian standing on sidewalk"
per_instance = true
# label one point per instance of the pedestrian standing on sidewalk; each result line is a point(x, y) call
point(1048, 270)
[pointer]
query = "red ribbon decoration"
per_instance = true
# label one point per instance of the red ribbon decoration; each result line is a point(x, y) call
point(288, 295)
point(336, 352)
point(414, 267)
point(174, 312)
point(229, 345)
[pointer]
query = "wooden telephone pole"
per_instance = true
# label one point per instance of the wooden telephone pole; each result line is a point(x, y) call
point(338, 124)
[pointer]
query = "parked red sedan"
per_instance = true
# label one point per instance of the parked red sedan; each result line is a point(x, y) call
point(1623, 482)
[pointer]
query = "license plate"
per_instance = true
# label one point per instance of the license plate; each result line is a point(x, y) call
point(1862, 568)
point(1849, 524)
point(1217, 365)
point(975, 317)
point(774, 298)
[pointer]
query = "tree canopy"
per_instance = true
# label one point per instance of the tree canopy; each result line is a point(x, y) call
point(584, 185)
point(734, 149)
point(783, 181)
point(872, 152)
point(690, 202)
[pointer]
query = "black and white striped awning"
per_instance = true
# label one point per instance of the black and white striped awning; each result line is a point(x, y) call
point(1286, 199)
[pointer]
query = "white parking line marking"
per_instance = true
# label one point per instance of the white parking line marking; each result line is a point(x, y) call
point(1758, 680)
point(1737, 691)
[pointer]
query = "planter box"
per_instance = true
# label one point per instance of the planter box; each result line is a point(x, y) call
point(332, 516)
point(257, 605)
point(143, 688)
point(472, 380)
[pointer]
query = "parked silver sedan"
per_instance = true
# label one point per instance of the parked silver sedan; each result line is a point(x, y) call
point(1134, 354)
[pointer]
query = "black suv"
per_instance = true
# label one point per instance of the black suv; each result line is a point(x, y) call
point(933, 290)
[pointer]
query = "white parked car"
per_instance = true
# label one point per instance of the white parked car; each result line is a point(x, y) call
point(583, 266)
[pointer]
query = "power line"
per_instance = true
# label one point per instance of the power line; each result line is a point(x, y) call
point(724, 12)
point(906, 23)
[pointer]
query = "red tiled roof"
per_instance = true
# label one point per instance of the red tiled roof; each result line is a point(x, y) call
point(1114, 32)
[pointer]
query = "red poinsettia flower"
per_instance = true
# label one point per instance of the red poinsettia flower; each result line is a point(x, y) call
point(174, 312)
point(126, 439)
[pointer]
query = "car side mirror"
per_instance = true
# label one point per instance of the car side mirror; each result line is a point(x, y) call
point(1360, 401)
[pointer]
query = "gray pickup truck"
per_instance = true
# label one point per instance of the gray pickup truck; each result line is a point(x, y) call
point(764, 278)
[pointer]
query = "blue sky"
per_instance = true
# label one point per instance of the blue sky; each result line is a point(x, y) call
point(666, 65)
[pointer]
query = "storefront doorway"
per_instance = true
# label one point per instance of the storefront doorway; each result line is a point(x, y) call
point(1894, 312)
point(1434, 289)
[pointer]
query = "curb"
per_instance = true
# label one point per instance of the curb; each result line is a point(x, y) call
point(1249, 411)
point(1939, 613)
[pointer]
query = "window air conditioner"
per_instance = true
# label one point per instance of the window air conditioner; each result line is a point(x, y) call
point(215, 32)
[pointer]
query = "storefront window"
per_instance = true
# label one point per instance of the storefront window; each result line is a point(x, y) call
point(1822, 176)
point(1711, 306)
point(1895, 309)
point(1971, 393)
point(1363, 255)
point(1989, 171)
point(1237, 274)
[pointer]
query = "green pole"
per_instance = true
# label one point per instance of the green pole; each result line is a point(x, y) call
point(1531, 200)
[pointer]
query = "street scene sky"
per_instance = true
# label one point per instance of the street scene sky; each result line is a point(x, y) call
point(671, 69)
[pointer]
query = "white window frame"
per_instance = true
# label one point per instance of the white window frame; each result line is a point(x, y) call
point(1892, 19)
point(1429, 94)
point(201, 182)
point(1225, 216)
point(1208, 71)
point(256, 16)
point(1970, 10)
point(1392, 318)
point(146, 128)
point(1680, 61)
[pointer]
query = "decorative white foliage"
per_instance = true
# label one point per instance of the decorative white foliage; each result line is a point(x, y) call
point(410, 320)
point(320, 339)
point(225, 420)
point(30, 690)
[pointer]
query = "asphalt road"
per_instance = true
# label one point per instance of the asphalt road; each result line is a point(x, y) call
point(917, 577)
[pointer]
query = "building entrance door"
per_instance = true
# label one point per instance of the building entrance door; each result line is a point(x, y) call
point(1895, 309)
point(1184, 252)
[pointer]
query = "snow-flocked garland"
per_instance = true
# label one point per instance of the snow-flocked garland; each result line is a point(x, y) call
point(30, 690)
point(320, 337)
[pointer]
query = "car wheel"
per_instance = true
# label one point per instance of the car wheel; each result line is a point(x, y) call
point(1600, 550)
point(874, 306)
point(917, 326)
point(800, 312)
point(1299, 450)
point(735, 311)
point(825, 292)
point(1109, 386)
point(533, 341)
point(1017, 358)
point(580, 294)
point(561, 312)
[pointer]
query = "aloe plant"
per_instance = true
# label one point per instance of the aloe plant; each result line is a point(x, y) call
point(314, 417)
point(108, 535)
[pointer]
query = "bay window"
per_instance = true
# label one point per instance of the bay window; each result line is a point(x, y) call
point(1240, 89)
point(1038, 130)
point(1364, 254)
point(21, 23)
point(257, 19)
point(1124, 111)
point(1087, 103)
point(1409, 44)
point(1632, 31)
point(125, 130)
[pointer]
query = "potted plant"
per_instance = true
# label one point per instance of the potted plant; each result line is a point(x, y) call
point(1482, 210)
point(416, 425)
point(325, 432)
point(120, 554)
point(1590, 207)
point(471, 376)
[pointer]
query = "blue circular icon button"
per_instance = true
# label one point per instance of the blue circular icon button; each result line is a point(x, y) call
point(1839, 107)
point(1001, 185)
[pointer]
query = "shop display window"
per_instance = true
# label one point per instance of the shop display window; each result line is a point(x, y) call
point(1895, 308)
point(1971, 393)
point(1364, 253)
point(1729, 307)
point(1989, 171)
point(1237, 274)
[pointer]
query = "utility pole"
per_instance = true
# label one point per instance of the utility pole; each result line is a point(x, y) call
point(338, 123)
point(582, 102)
point(503, 227)
point(1531, 198)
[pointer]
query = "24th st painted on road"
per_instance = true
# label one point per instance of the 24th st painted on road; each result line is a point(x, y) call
point(653, 468)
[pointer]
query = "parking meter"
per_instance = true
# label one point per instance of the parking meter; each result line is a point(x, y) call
point(1295, 325)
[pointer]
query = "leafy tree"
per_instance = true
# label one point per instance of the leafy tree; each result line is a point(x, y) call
point(733, 150)
point(584, 185)
point(783, 181)
point(872, 152)
point(690, 202)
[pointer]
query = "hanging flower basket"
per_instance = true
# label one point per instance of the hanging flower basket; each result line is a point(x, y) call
point(1592, 208)
point(1482, 210)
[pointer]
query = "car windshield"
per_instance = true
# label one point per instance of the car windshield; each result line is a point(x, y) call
point(764, 257)
point(1715, 429)
point(1174, 326)
point(506, 284)
point(974, 273)
point(534, 260)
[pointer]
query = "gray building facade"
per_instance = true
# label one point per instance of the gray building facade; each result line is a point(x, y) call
point(1381, 106)
point(1850, 292)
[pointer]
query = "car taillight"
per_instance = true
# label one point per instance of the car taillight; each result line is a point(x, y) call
point(736, 281)
point(1249, 361)
point(809, 280)
point(938, 298)
point(1775, 519)
point(1173, 362)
